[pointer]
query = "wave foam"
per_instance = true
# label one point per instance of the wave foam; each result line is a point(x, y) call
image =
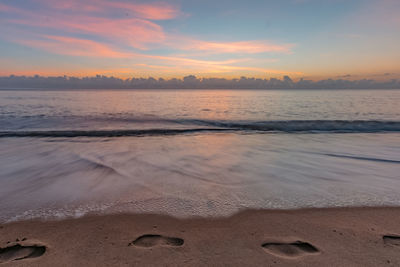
point(296, 126)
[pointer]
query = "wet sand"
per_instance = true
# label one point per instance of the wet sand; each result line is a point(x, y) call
point(308, 237)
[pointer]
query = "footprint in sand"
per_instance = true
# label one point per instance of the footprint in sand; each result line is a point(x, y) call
point(157, 240)
point(290, 250)
point(391, 240)
point(20, 252)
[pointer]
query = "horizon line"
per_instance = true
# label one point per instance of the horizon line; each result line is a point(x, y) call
point(187, 82)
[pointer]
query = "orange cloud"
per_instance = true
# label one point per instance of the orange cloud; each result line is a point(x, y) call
point(248, 47)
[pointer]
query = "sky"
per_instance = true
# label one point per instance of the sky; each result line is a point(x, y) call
point(311, 39)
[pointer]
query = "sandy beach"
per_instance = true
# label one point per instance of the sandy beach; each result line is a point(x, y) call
point(307, 237)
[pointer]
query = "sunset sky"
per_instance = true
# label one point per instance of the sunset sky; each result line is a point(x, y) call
point(313, 39)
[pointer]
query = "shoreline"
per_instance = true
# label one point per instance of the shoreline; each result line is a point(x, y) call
point(364, 236)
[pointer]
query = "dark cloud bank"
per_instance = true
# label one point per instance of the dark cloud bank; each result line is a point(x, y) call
point(188, 82)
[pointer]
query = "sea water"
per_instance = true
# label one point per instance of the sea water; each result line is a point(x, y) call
point(196, 152)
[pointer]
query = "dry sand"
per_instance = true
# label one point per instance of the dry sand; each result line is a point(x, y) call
point(310, 237)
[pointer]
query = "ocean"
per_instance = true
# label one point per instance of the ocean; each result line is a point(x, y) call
point(66, 153)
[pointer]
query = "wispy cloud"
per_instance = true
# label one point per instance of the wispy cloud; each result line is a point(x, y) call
point(131, 25)
point(129, 30)
point(245, 47)
point(73, 46)
point(151, 11)
point(135, 32)
point(87, 48)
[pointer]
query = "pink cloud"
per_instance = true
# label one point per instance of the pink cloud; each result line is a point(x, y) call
point(87, 48)
point(151, 11)
point(154, 11)
point(135, 32)
point(139, 32)
point(91, 17)
point(102, 29)
point(73, 47)
point(82, 47)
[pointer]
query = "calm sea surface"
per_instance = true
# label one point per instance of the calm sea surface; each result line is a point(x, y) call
point(196, 152)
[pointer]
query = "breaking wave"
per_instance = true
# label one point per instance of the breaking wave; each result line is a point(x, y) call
point(195, 126)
